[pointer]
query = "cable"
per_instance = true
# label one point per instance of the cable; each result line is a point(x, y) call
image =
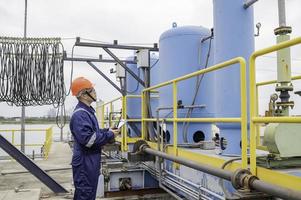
point(58, 122)
point(71, 71)
point(137, 86)
point(31, 71)
point(198, 84)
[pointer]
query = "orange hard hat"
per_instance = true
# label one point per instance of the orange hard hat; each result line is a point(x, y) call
point(79, 84)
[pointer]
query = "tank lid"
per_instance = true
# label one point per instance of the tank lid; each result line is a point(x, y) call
point(185, 30)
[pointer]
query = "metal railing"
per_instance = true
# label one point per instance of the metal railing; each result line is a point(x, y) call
point(243, 98)
point(255, 118)
point(45, 147)
point(107, 119)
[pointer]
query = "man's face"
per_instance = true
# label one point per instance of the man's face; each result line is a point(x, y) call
point(92, 92)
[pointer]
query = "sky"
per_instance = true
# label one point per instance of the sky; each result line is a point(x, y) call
point(132, 21)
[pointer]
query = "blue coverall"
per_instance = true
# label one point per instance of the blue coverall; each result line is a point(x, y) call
point(88, 139)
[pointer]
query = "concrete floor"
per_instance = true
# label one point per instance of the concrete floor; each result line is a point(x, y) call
point(16, 177)
point(59, 157)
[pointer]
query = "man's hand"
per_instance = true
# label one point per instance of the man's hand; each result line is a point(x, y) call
point(115, 131)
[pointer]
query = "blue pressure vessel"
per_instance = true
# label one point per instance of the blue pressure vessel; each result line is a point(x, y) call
point(134, 88)
point(182, 51)
point(233, 37)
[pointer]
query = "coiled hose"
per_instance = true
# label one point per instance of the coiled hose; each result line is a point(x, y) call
point(32, 71)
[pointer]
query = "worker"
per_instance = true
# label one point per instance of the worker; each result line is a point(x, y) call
point(88, 140)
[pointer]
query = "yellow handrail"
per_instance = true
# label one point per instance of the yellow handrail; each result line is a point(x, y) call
point(243, 96)
point(46, 145)
point(254, 104)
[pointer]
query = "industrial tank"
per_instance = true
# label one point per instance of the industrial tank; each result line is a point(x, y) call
point(134, 88)
point(181, 52)
point(233, 37)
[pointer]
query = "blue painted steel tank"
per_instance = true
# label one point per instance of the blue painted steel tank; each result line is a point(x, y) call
point(181, 52)
point(134, 88)
point(233, 37)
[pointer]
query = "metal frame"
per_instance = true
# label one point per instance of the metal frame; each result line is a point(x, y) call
point(106, 47)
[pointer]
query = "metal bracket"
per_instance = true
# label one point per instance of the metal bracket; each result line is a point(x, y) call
point(138, 154)
point(107, 79)
point(124, 66)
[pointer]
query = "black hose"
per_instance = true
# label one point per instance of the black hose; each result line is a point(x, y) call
point(32, 71)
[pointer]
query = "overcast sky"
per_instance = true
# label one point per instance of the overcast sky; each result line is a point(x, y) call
point(131, 21)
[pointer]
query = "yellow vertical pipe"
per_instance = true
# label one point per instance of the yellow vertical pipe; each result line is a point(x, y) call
point(142, 115)
point(243, 97)
point(257, 125)
point(13, 137)
point(111, 115)
point(124, 116)
point(253, 108)
point(175, 116)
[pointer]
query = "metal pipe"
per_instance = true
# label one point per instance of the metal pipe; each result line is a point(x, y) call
point(97, 60)
point(184, 188)
point(258, 185)
point(62, 122)
point(178, 188)
point(276, 191)
point(23, 107)
point(193, 184)
point(281, 13)
point(201, 167)
point(170, 192)
point(114, 46)
point(248, 3)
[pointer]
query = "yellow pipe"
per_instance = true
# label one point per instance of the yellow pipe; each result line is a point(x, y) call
point(195, 120)
point(243, 107)
point(133, 96)
point(134, 120)
point(257, 126)
point(276, 119)
point(202, 71)
point(31, 145)
point(124, 116)
point(263, 148)
point(143, 115)
point(35, 130)
point(225, 120)
point(175, 116)
point(253, 96)
point(109, 102)
point(111, 115)
point(13, 137)
point(275, 81)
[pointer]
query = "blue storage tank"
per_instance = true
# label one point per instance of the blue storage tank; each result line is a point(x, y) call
point(134, 88)
point(233, 37)
point(181, 52)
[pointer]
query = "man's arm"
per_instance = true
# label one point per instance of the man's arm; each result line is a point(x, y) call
point(84, 133)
